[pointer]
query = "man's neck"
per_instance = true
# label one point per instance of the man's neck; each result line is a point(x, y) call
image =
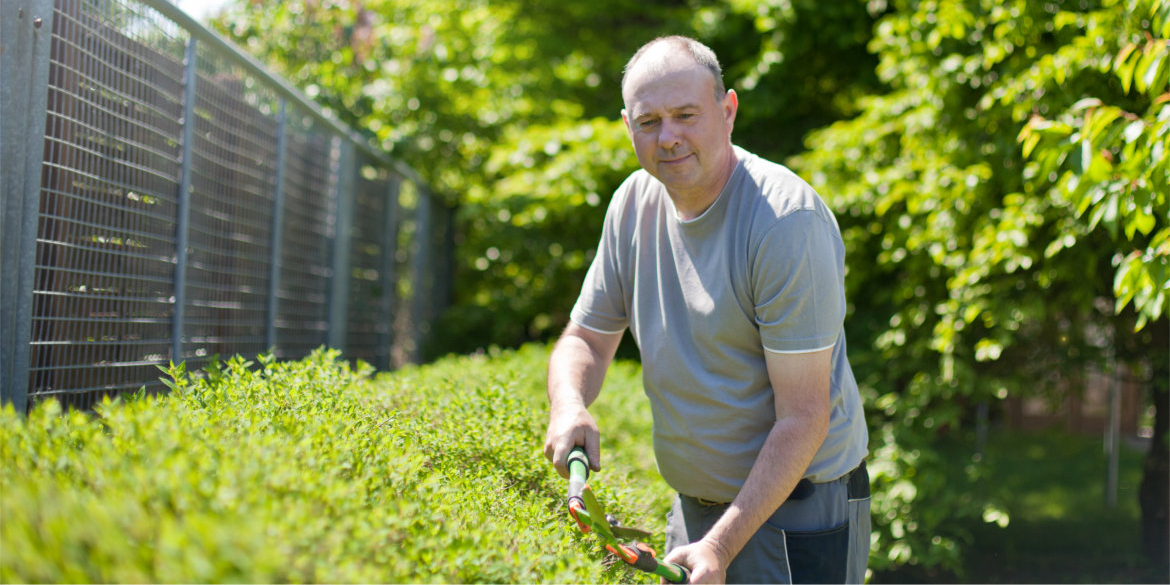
point(691, 205)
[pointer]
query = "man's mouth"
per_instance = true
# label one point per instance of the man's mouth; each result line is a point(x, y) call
point(675, 161)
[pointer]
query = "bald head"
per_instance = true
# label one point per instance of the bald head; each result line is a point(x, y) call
point(673, 53)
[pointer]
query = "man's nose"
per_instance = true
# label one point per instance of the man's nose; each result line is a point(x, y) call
point(668, 136)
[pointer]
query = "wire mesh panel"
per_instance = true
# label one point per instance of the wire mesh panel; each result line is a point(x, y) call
point(311, 161)
point(408, 255)
point(105, 251)
point(232, 184)
point(190, 205)
point(371, 266)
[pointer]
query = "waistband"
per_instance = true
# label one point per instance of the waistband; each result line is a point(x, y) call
point(857, 480)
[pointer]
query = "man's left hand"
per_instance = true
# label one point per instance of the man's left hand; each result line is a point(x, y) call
point(705, 559)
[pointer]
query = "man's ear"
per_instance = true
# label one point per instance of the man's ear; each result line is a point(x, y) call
point(629, 131)
point(730, 107)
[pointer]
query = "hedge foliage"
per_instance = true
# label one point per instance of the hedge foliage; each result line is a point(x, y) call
point(313, 471)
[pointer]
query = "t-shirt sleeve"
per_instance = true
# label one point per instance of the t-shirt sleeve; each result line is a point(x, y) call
point(798, 281)
point(601, 306)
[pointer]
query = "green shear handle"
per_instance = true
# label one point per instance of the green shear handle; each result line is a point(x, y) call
point(591, 517)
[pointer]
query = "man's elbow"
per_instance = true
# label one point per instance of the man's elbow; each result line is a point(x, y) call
point(814, 421)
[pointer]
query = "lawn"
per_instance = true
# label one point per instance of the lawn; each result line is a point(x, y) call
point(1060, 530)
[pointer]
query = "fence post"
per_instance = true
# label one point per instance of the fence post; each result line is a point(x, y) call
point(389, 273)
point(183, 221)
point(27, 30)
point(339, 285)
point(277, 229)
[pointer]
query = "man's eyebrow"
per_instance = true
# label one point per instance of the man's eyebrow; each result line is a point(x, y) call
point(672, 110)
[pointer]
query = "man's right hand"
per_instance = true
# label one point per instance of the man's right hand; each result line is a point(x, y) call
point(576, 370)
point(569, 427)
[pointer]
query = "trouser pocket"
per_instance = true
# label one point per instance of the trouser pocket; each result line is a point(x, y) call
point(819, 556)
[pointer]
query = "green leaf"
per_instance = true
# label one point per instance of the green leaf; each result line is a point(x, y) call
point(1124, 65)
point(1086, 153)
point(994, 514)
point(1146, 69)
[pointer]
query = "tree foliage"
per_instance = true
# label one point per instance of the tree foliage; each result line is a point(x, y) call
point(1006, 214)
point(998, 168)
point(1108, 151)
point(511, 111)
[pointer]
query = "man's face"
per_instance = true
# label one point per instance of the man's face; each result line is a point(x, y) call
point(681, 134)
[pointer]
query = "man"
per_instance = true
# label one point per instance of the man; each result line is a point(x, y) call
point(728, 270)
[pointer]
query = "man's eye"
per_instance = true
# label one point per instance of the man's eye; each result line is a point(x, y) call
point(647, 123)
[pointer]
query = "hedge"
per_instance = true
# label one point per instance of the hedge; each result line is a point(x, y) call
point(316, 471)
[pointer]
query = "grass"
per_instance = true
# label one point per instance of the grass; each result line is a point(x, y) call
point(1060, 531)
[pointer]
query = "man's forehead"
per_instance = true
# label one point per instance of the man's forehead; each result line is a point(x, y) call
point(670, 89)
point(659, 62)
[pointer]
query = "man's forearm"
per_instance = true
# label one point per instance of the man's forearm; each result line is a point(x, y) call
point(782, 461)
point(576, 370)
point(575, 374)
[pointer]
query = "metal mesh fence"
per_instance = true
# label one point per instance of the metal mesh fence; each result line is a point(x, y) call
point(103, 282)
point(187, 204)
point(309, 228)
point(371, 292)
point(231, 198)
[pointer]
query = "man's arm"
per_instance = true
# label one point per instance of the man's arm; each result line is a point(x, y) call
point(576, 370)
point(801, 385)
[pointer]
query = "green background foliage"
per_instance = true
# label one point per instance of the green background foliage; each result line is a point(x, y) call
point(998, 168)
point(986, 258)
point(511, 111)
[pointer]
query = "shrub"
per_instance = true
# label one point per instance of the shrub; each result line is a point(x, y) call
point(314, 471)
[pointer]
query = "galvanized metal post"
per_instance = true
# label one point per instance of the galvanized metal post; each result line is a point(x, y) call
point(27, 29)
point(339, 285)
point(277, 229)
point(389, 273)
point(183, 221)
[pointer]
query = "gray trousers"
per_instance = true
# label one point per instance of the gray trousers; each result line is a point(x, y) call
point(823, 538)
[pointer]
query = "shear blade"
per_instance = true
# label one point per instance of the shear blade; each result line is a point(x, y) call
point(596, 513)
point(601, 521)
point(625, 532)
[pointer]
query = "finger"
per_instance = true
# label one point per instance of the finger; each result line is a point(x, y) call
point(549, 446)
point(556, 449)
point(564, 448)
point(679, 556)
point(592, 441)
point(560, 461)
point(673, 557)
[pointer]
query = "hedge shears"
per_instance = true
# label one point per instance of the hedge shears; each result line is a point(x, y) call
point(591, 518)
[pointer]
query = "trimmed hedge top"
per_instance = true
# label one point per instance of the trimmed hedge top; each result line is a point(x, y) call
point(313, 471)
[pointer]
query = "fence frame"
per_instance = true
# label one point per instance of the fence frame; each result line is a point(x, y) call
point(25, 60)
point(24, 87)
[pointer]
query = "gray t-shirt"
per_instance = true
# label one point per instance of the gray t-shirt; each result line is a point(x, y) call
point(761, 270)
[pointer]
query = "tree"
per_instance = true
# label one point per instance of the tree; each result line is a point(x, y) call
point(1012, 188)
point(959, 177)
point(1110, 156)
point(510, 110)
